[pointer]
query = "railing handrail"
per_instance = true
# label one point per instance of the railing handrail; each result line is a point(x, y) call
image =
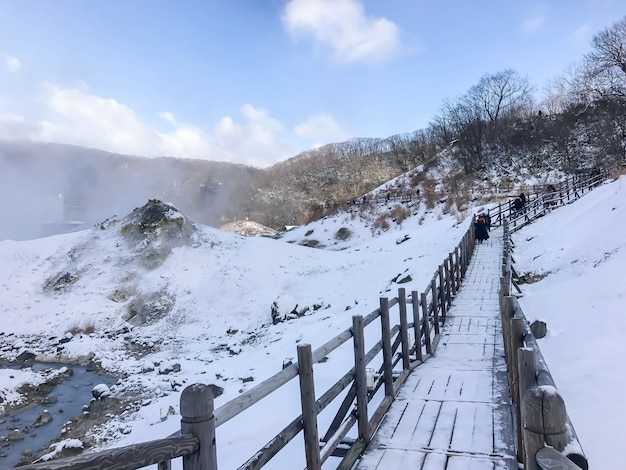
point(537, 204)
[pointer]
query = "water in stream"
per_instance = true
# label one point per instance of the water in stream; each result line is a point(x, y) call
point(65, 401)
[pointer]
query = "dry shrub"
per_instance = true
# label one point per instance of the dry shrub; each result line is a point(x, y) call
point(381, 222)
point(462, 199)
point(617, 172)
point(430, 198)
point(399, 213)
point(87, 329)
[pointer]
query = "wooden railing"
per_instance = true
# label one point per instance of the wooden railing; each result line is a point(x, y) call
point(373, 378)
point(545, 434)
point(540, 203)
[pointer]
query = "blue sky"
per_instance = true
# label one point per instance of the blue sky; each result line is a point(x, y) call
point(257, 81)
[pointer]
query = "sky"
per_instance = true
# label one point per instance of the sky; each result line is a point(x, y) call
point(223, 287)
point(256, 82)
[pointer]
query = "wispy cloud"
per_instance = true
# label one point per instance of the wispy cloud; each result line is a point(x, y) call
point(344, 28)
point(533, 24)
point(321, 129)
point(82, 118)
point(12, 64)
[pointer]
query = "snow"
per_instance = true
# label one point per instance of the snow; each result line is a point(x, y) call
point(220, 291)
point(582, 248)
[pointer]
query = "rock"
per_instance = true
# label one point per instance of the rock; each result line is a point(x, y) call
point(343, 234)
point(43, 418)
point(169, 369)
point(150, 307)
point(15, 435)
point(216, 390)
point(25, 356)
point(101, 391)
point(403, 239)
point(62, 282)
point(539, 329)
point(147, 367)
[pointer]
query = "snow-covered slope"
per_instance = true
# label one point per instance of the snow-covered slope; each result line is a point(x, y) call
point(219, 308)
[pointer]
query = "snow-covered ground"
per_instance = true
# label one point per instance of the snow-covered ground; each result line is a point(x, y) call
point(212, 309)
point(582, 249)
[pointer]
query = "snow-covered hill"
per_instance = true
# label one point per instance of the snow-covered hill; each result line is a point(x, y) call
point(163, 302)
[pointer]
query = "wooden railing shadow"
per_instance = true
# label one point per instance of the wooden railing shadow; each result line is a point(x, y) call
point(539, 203)
point(546, 438)
point(372, 379)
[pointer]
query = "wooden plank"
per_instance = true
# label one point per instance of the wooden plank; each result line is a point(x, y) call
point(269, 450)
point(133, 456)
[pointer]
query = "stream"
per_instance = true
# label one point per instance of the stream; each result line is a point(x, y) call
point(63, 402)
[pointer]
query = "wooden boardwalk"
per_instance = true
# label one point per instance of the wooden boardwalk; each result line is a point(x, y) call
point(454, 412)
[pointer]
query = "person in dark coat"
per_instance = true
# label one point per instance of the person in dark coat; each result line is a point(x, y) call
point(480, 229)
point(518, 204)
point(487, 218)
point(522, 196)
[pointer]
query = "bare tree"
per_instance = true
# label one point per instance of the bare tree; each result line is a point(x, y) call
point(502, 95)
point(606, 63)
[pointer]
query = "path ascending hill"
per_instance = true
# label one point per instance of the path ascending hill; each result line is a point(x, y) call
point(454, 410)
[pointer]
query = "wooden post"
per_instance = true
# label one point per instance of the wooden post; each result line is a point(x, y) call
point(461, 261)
point(196, 410)
point(433, 288)
point(452, 275)
point(516, 342)
point(442, 293)
point(448, 281)
point(386, 340)
point(417, 326)
point(531, 442)
point(426, 325)
point(360, 378)
point(457, 268)
point(554, 418)
point(404, 331)
point(309, 410)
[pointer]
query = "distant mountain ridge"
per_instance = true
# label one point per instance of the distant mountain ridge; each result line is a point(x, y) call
point(63, 187)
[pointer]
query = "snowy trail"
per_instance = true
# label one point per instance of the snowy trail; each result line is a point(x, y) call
point(454, 411)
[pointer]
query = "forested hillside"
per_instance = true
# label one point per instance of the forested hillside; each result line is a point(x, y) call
point(499, 131)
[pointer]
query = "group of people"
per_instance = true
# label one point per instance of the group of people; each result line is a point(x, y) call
point(482, 225)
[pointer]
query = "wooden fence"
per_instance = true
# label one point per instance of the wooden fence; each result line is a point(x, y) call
point(372, 378)
point(542, 201)
point(545, 434)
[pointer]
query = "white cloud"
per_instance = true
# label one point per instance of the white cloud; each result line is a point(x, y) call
point(82, 118)
point(12, 64)
point(322, 129)
point(343, 26)
point(533, 24)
